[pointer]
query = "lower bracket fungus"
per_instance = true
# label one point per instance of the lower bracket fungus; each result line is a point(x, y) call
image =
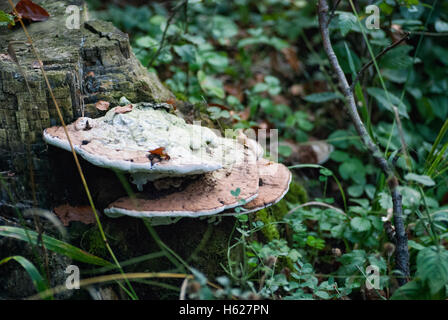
point(208, 194)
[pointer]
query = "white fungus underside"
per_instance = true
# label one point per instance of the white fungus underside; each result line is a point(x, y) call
point(118, 212)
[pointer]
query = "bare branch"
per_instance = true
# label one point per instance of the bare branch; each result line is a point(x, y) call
point(402, 254)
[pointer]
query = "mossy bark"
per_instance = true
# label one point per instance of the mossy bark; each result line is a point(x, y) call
point(85, 65)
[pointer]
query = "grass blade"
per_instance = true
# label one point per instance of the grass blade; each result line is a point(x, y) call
point(53, 245)
point(38, 281)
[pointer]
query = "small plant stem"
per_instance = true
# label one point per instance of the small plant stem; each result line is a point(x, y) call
point(168, 23)
point(377, 57)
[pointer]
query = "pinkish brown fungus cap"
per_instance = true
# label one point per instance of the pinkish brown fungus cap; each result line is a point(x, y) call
point(274, 180)
point(209, 194)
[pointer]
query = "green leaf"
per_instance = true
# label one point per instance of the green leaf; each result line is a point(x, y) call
point(388, 103)
point(323, 97)
point(397, 58)
point(186, 52)
point(385, 200)
point(223, 29)
point(413, 290)
point(355, 190)
point(432, 267)
point(360, 224)
point(217, 60)
point(147, 42)
point(339, 156)
point(284, 150)
point(6, 18)
point(322, 294)
point(346, 22)
point(38, 281)
point(53, 245)
point(235, 192)
point(422, 179)
point(441, 26)
point(211, 85)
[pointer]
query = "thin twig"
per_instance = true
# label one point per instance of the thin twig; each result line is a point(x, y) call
point(404, 146)
point(427, 33)
point(382, 53)
point(402, 254)
point(316, 203)
point(168, 23)
point(332, 13)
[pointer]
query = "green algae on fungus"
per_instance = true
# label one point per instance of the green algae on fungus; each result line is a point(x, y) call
point(123, 141)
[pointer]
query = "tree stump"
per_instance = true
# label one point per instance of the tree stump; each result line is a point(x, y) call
point(85, 65)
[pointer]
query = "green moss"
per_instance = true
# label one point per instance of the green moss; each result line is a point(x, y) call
point(296, 194)
point(94, 243)
point(269, 230)
point(180, 96)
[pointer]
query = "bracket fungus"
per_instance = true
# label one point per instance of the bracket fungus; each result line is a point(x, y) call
point(208, 194)
point(274, 181)
point(180, 169)
point(124, 140)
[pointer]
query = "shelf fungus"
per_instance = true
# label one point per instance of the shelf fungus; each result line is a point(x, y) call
point(274, 181)
point(179, 169)
point(205, 194)
point(126, 141)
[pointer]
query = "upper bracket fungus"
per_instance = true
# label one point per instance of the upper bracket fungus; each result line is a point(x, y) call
point(126, 141)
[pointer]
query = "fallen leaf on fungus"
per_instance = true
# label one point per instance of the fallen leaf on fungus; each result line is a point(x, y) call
point(124, 109)
point(160, 152)
point(102, 105)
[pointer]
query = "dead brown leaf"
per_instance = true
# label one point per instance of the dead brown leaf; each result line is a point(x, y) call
point(292, 59)
point(67, 214)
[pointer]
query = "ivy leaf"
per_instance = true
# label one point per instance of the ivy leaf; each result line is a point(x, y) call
point(211, 85)
point(323, 97)
point(147, 42)
point(360, 224)
point(422, 179)
point(346, 22)
point(432, 266)
point(186, 52)
point(398, 58)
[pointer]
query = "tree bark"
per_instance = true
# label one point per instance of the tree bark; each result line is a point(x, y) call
point(85, 65)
